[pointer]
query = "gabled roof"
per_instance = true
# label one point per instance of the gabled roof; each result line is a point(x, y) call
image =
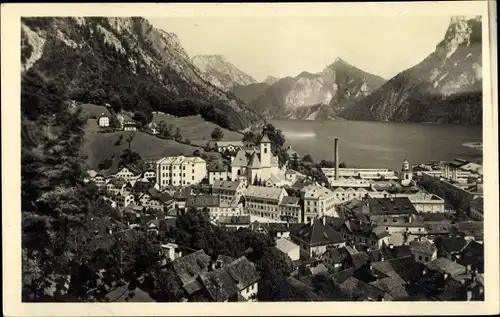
point(319, 234)
point(423, 246)
point(264, 192)
point(240, 160)
point(189, 267)
point(226, 185)
point(290, 200)
point(444, 265)
point(391, 206)
point(133, 168)
point(254, 161)
point(451, 244)
point(285, 245)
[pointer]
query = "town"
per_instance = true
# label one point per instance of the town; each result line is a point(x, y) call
point(349, 233)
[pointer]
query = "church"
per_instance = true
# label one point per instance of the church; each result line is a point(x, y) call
point(256, 163)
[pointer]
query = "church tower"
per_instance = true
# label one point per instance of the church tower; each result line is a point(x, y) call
point(406, 173)
point(265, 152)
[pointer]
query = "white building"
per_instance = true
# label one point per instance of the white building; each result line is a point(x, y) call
point(255, 164)
point(292, 175)
point(103, 121)
point(289, 248)
point(423, 250)
point(228, 145)
point(218, 172)
point(318, 201)
point(123, 201)
point(129, 173)
point(180, 171)
point(129, 126)
point(264, 202)
point(362, 173)
point(406, 174)
point(228, 190)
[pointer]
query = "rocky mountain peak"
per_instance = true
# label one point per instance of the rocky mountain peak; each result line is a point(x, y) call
point(220, 72)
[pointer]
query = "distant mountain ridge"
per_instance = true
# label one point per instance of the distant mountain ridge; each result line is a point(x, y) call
point(446, 87)
point(320, 96)
point(128, 63)
point(221, 73)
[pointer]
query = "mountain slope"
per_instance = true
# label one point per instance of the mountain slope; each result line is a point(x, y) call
point(128, 63)
point(247, 93)
point(320, 96)
point(221, 73)
point(270, 80)
point(446, 87)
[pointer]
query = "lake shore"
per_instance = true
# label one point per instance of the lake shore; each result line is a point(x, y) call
point(474, 145)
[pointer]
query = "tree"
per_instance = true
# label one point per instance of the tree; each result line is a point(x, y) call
point(113, 121)
point(217, 134)
point(129, 157)
point(129, 140)
point(307, 158)
point(105, 164)
point(141, 118)
point(197, 153)
point(178, 135)
point(342, 165)
point(116, 102)
point(250, 137)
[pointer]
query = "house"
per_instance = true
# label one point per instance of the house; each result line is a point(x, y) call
point(129, 126)
point(446, 266)
point(189, 268)
point(362, 173)
point(218, 172)
point(277, 180)
point(423, 250)
point(123, 200)
point(158, 202)
point(255, 164)
point(181, 196)
point(291, 249)
point(274, 229)
point(450, 247)
point(234, 222)
point(337, 259)
point(228, 190)
point(476, 210)
point(116, 186)
point(290, 209)
point(292, 175)
point(129, 172)
point(315, 238)
point(228, 145)
point(150, 175)
point(264, 202)
point(235, 281)
point(357, 232)
point(214, 205)
point(423, 202)
point(143, 185)
point(180, 171)
point(318, 201)
point(472, 256)
point(103, 121)
point(392, 207)
point(401, 223)
point(170, 252)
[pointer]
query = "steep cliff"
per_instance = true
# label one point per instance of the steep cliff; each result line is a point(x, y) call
point(446, 87)
point(319, 96)
point(221, 73)
point(128, 63)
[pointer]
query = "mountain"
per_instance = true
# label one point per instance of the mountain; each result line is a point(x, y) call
point(446, 87)
point(319, 96)
point(127, 63)
point(221, 73)
point(270, 80)
point(247, 93)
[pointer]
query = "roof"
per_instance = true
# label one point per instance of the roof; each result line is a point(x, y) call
point(125, 294)
point(408, 221)
point(444, 265)
point(225, 259)
point(320, 268)
point(265, 139)
point(133, 168)
point(91, 173)
point(473, 255)
point(234, 220)
point(395, 251)
point(189, 267)
point(226, 185)
point(338, 255)
point(357, 289)
point(201, 201)
point(318, 234)
point(183, 193)
point(391, 206)
point(290, 201)
point(240, 160)
point(285, 245)
point(218, 167)
point(264, 192)
point(423, 246)
point(254, 161)
point(316, 192)
point(451, 244)
point(228, 143)
point(358, 259)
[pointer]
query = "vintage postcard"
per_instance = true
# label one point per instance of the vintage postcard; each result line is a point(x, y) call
point(250, 159)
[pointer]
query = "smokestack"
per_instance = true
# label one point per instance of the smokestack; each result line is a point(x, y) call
point(336, 149)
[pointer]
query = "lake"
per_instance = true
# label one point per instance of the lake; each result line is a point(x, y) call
point(381, 144)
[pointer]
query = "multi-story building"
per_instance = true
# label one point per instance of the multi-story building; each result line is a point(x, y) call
point(360, 173)
point(290, 209)
point(123, 201)
point(218, 172)
point(264, 202)
point(180, 171)
point(477, 208)
point(316, 238)
point(215, 207)
point(228, 190)
point(318, 201)
point(228, 145)
point(103, 121)
point(129, 172)
point(423, 202)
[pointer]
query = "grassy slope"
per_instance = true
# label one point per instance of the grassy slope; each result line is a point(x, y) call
point(194, 127)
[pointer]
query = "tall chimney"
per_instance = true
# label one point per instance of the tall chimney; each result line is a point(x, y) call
point(336, 149)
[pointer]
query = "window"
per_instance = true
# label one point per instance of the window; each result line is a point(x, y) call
point(184, 168)
point(192, 178)
point(420, 258)
point(265, 150)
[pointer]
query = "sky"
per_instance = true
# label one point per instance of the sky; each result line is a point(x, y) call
point(286, 46)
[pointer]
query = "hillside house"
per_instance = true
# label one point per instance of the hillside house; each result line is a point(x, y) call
point(315, 238)
point(103, 121)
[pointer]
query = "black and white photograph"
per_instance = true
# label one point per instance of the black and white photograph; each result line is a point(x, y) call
point(182, 156)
